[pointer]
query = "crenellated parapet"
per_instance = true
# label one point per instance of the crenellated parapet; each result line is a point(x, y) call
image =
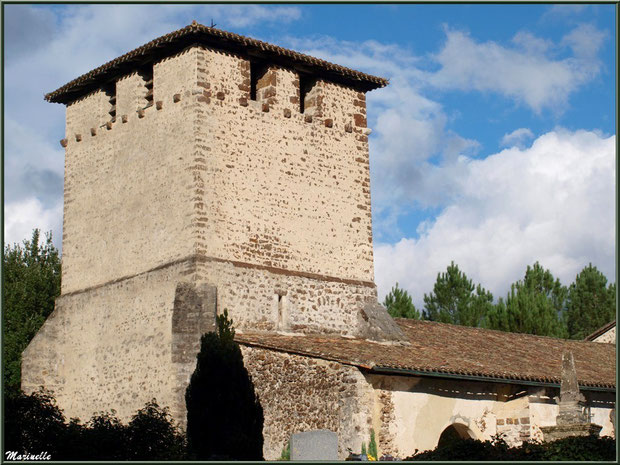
point(242, 81)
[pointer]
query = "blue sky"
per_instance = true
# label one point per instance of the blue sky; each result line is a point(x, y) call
point(494, 145)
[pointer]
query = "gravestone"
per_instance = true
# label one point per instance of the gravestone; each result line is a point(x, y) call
point(314, 445)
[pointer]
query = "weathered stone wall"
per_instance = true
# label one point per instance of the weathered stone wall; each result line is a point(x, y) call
point(300, 394)
point(282, 191)
point(110, 346)
point(128, 189)
point(311, 305)
point(607, 337)
point(411, 413)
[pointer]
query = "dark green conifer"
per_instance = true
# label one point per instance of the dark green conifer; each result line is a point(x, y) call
point(224, 416)
point(399, 304)
point(456, 300)
point(591, 303)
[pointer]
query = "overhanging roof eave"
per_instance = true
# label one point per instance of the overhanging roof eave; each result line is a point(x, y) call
point(491, 379)
point(200, 34)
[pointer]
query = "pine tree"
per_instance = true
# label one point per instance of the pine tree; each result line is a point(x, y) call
point(456, 300)
point(31, 278)
point(399, 304)
point(591, 303)
point(533, 306)
point(224, 416)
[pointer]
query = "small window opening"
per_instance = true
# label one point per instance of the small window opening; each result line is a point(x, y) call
point(306, 83)
point(257, 71)
point(147, 76)
point(282, 312)
point(110, 91)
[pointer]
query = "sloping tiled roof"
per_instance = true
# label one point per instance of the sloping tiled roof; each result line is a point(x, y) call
point(438, 348)
point(198, 33)
point(600, 331)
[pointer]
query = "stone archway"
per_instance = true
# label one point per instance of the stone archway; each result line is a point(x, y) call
point(454, 432)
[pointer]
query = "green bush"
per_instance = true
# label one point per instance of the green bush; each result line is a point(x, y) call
point(286, 452)
point(35, 424)
point(372, 445)
point(592, 448)
point(153, 435)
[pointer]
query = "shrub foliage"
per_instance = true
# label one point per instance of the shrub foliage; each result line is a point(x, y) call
point(35, 424)
point(592, 448)
point(31, 279)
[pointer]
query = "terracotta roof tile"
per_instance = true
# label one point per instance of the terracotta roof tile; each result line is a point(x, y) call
point(198, 33)
point(439, 348)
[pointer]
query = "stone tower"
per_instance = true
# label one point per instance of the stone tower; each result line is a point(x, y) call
point(203, 171)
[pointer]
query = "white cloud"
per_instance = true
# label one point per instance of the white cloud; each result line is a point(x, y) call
point(417, 161)
point(552, 202)
point(32, 164)
point(20, 218)
point(517, 137)
point(531, 44)
point(527, 72)
point(585, 40)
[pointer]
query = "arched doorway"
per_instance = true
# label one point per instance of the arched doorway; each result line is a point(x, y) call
point(454, 432)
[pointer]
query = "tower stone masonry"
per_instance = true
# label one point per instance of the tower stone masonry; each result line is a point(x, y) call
point(204, 171)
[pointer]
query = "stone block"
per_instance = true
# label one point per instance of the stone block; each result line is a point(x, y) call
point(552, 433)
point(314, 445)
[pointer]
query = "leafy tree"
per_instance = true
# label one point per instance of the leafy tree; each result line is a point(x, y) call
point(224, 416)
point(153, 435)
point(591, 303)
point(104, 437)
point(399, 304)
point(533, 305)
point(34, 423)
point(31, 275)
point(456, 300)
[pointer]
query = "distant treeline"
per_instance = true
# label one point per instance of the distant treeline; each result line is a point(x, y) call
point(537, 304)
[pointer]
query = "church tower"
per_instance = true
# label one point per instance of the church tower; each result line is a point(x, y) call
point(203, 171)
